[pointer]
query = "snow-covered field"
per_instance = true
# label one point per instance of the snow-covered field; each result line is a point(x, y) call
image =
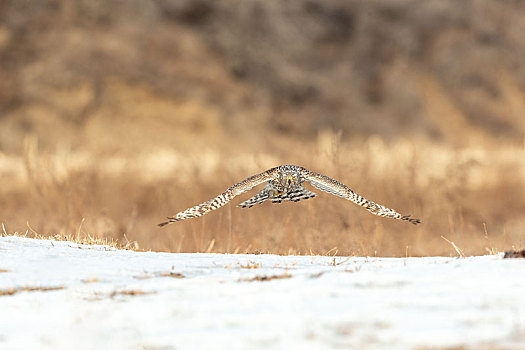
point(62, 295)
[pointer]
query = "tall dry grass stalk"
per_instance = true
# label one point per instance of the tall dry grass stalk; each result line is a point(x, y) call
point(471, 196)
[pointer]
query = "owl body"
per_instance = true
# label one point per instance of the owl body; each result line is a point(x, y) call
point(288, 178)
point(285, 183)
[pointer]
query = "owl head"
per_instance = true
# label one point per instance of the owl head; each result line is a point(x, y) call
point(290, 176)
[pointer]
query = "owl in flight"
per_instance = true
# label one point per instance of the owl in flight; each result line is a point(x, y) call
point(285, 183)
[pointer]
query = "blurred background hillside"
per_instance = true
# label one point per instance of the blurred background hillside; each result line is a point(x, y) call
point(115, 114)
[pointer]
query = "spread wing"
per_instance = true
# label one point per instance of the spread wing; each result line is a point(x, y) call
point(324, 183)
point(223, 198)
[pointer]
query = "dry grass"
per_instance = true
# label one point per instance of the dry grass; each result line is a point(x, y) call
point(171, 274)
point(138, 121)
point(264, 278)
point(12, 291)
point(129, 292)
point(472, 196)
point(78, 237)
point(251, 265)
point(83, 238)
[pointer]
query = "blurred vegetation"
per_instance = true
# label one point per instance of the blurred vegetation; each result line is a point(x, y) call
point(115, 114)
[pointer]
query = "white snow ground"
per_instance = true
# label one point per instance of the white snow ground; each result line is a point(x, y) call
point(361, 303)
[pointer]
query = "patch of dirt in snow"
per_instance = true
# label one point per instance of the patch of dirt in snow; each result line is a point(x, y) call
point(11, 291)
point(514, 254)
point(263, 278)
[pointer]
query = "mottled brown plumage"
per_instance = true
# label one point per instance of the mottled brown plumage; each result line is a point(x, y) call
point(285, 183)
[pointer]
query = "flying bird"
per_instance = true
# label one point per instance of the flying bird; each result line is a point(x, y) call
point(285, 183)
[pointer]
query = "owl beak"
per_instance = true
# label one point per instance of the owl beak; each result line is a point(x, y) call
point(289, 181)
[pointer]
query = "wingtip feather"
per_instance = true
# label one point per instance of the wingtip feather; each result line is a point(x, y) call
point(171, 220)
point(411, 220)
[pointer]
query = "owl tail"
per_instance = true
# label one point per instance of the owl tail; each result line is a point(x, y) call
point(277, 197)
point(294, 196)
point(257, 199)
